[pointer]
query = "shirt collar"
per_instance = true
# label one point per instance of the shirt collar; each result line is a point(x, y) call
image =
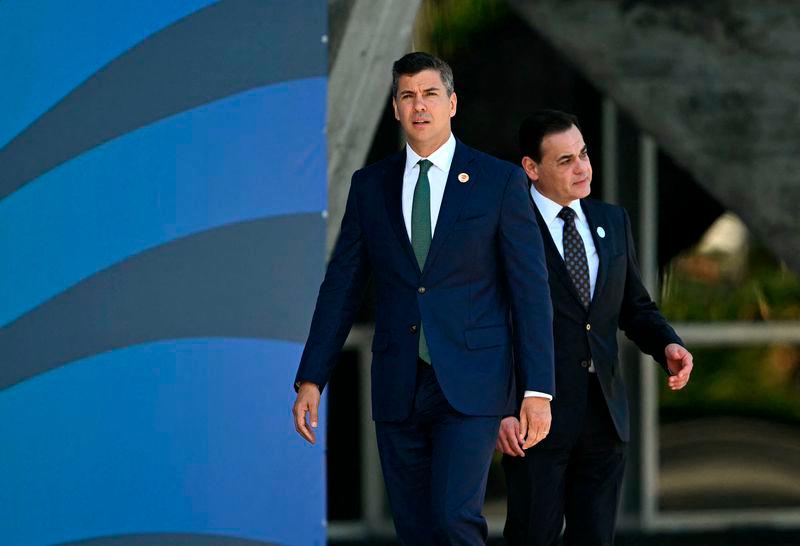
point(549, 209)
point(441, 158)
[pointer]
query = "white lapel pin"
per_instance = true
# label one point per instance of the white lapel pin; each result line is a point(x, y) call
point(463, 178)
point(601, 232)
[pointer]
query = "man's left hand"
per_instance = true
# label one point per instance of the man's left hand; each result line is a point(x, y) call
point(679, 363)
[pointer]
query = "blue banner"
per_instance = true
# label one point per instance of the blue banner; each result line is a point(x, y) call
point(162, 190)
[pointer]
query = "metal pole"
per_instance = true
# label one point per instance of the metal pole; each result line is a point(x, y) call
point(648, 260)
point(372, 492)
point(610, 174)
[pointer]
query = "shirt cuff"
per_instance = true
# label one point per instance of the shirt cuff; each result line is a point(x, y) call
point(537, 394)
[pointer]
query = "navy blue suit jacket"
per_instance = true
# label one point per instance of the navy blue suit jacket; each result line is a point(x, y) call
point(620, 301)
point(482, 291)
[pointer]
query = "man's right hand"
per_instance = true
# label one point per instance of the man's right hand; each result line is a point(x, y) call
point(508, 438)
point(534, 420)
point(307, 402)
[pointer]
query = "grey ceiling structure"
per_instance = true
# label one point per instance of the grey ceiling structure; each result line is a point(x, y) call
point(716, 85)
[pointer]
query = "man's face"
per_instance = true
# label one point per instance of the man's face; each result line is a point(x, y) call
point(424, 110)
point(564, 172)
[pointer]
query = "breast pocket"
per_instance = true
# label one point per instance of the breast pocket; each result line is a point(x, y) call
point(616, 260)
point(471, 223)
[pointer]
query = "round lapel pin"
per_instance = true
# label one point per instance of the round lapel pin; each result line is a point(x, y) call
point(601, 232)
point(463, 178)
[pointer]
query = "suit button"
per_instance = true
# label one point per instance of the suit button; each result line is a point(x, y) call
point(413, 328)
point(421, 289)
point(584, 363)
point(588, 327)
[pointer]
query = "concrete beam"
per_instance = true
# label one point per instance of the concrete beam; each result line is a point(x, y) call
point(375, 33)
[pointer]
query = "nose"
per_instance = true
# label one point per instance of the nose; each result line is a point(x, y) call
point(419, 104)
point(581, 166)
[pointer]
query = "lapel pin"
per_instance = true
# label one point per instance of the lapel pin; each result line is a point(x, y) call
point(463, 178)
point(601, 232)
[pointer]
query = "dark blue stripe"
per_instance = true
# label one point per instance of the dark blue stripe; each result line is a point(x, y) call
point(227, 48)
point(258, 154)
point(170, 539)
point(255, 279)
point(34, 36)
point(191, 436)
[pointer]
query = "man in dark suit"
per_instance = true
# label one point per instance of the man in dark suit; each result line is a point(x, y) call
point(595, 286)
point(449, 237)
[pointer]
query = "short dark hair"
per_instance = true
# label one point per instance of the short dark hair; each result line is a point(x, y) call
point(540, 124)
point(416, 62)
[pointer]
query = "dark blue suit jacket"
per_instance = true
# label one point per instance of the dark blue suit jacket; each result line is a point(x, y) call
point(485, 272)
point(620, 301)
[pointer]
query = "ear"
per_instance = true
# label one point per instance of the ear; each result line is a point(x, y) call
point(531, 168)
point(453, 103)
point(394, 106)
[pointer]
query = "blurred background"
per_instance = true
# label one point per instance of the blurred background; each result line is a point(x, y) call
point(692, 121)
point(165, 216)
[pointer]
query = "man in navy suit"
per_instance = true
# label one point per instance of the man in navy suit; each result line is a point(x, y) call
point(450, 240)
point(596, 288)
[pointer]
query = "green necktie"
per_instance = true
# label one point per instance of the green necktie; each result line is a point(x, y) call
point(421, 234)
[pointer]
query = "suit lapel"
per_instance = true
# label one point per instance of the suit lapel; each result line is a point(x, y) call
point(597, 219)
point(455, 195)
point(554, 260)
point(393, 197)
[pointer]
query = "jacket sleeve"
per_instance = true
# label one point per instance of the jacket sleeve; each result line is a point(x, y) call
point(339, 297)
point(529, 292)
point(639, 316)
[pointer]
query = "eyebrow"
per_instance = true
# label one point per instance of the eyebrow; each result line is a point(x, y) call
point(426, 90)
point(568, 156)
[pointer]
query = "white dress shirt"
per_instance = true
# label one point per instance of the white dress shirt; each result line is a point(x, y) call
point(437, 176)
point(442, 158)
point(549, 210)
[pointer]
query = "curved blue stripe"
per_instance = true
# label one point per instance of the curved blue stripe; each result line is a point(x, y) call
point(256, 154)
point(48, 47)
point(190, 436)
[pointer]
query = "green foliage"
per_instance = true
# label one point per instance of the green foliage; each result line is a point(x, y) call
point(698, 288)
point(445, 25)
point(754, 381)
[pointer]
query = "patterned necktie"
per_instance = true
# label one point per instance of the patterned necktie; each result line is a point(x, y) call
point(421, 234)
point(575, 256)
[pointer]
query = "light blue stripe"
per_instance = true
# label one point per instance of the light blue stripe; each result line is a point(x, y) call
point(257, 154)
point(49, 47)
point(188, 436)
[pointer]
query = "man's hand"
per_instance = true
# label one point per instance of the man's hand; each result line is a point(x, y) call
point(534, 420)
point(679, 363)
point(307, 401)
point(508, 438)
